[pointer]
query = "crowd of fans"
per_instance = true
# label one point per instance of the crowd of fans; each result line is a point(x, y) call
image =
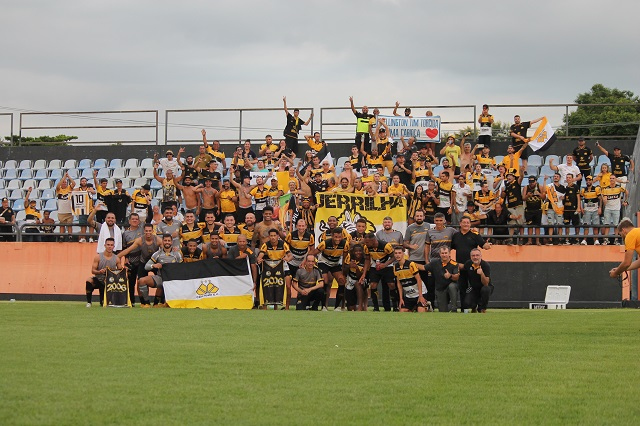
point(212, 205)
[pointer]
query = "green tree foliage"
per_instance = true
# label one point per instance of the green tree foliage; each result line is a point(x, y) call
point(59, 140)
point(621, 119)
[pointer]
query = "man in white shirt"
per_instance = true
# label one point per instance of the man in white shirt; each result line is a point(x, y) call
point(565, 169)
point(462, 196)
point(170, 163)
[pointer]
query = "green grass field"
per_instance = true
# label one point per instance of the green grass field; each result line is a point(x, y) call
point(61, 363)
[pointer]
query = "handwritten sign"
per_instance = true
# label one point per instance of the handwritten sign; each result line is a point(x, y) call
point(424, 129)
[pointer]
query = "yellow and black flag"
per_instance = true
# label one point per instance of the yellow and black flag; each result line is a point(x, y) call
point(543, 137)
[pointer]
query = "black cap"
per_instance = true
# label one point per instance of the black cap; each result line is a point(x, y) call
point(580, 139)
point(532, 178)
point(146, 186)
point(118, 181)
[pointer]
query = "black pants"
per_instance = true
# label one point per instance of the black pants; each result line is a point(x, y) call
point(92, 285)
point(292, 143)
point(478, 298)
point(463, 284)
point(359, 138)
point(132, 276)
point(31, 238)
point(242, 213)
point(314, 299)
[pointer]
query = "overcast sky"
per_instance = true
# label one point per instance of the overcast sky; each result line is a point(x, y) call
point(69, 55)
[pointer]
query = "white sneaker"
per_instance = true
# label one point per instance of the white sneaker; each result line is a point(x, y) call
point(617, 242)
point(567, 242)
point(324, 309)
point(606, 242)
point(82, 240)
point(583, 242)
point(90, 239)
point(88, 305)
point(596, 242)
point(338, 309)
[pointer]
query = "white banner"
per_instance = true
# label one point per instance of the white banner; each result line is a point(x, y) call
point(424, 129)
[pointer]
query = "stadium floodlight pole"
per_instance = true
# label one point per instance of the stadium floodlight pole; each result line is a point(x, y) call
point(240, 127)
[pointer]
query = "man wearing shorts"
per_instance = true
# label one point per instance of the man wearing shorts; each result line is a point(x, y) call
point(409, 283)
point(65, 208)
point(331, 252)
point(381, 269)
point(166, 254)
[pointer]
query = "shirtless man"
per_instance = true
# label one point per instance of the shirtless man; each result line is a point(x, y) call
point(245, 202)
point(348, 172)
point(261, 230)
point(210, 199)
point(191, 199)
point(214, 249)
point(467, 155)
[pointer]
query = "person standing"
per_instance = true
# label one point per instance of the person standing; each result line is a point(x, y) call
point(583, 156)
point(533, 198)
point(485, 120)
point(294, 124)
point(518, 133)
point(480, 285)
point(363, 126)
point(592, 208)
point(65, 207)
point(129, 236)
point(512, 196)
point(613, 199)
point(572, 207)
point(381, 266)
point(464, 242)
point(619, 164)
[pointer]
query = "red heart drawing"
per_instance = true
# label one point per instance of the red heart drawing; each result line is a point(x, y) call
point(431, 133)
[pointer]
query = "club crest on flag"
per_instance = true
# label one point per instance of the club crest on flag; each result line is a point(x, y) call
point(207, 289)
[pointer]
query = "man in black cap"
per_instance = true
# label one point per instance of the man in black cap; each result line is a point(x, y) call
point(141, 203)
point(7, 220)
point(583, 156)
point(618, 164)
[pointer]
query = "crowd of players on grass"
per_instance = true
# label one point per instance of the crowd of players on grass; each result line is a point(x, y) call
point(210, 208)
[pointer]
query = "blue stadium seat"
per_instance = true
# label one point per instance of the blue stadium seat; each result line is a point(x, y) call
point(11, 164)
point(14, 184)
point(39, 164)
point(119, 173)
point(555, 158)
point(29, 183)
point(140, 181)
point(85, 163)
point(10, 174)
point(131, 163)
point(535, 160)
point(134, 172)
point(104, 173)
point(2, 183)
point(47, 194)
point(3, 192)
point(126, 183)
point(100, 163)
point(51, 204)
point(45, 184)
point(70, 164)
point(56, 174)
point(148, 173)
point(26, 174)
point(18, 205)
point(41, 174)
point(87, 173)
point(498, 159)
point(603, 159)
point(341, 161)
point(146, 163)
point(155, 184)
point(115, 163)
point(54, 214)
point(437, 170)
point(16, 194)
point(24, 165)
point(54, 164)
point(532, 170)
point(158, 194)
point(546, 170)
point(74, 174)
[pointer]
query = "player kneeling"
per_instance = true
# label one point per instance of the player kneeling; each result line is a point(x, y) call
point(101, 262)
point(409, 283)
point(355, 293)
point(309, 284)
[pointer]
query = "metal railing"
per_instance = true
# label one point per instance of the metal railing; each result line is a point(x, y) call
point(95, 116)
point(227, 129)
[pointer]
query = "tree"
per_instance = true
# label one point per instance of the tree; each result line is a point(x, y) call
point(621, 119)
point(59, 140)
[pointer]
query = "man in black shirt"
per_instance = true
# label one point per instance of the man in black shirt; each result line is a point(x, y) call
point(480, 285)
point(403, 171)
point(294, 124)
point(463, 242)
point(572, 206)
point(618, 164)
point(498, 217)
point(518, 132)
point(118, 201)
point(512, 195)
point(213, 174)
point(583, 155)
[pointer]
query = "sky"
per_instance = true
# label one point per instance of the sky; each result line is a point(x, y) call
point(72, 55)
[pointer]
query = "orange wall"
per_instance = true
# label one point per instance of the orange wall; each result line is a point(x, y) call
point(62, 268)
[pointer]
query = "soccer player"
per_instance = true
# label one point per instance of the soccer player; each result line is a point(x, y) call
point(309, 285)
point(354, 267)
point(332, 251)
point(191, 252)
point(409, 283)
point(275, 249)
point(101, 261)
point(301, 242)
point(480, 287)
point(242, 251)
point(229, 232)
point(381, 270)
point(631, 237)
point(166, 254)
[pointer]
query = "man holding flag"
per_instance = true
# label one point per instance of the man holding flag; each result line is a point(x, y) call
point(519, 137)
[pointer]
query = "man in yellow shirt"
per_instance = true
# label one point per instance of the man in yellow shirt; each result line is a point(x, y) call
point(631, 237)
point(451, 150)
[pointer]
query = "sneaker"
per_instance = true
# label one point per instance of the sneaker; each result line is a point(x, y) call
point(90, 239)
point(376, 309)
point(338, 309)
point(88, 305)
point(396, 310)
point(596, 242)
point(583, 242)
point(605, 242)
point(617, 242)
point(324, 309)
point(82, 240)
point(567, 242)
point(145, 306)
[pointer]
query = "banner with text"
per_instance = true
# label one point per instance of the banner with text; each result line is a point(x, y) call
point(348, 208)
point(424, 129)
